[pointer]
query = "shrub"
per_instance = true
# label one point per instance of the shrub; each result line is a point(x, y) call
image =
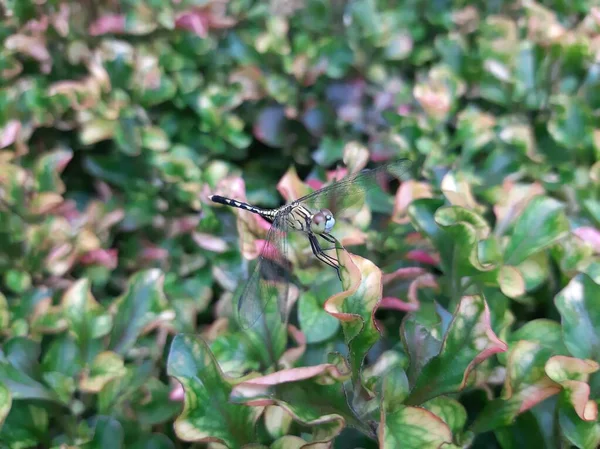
point(468, 312)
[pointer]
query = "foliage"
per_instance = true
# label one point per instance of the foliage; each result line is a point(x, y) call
point(468, 312)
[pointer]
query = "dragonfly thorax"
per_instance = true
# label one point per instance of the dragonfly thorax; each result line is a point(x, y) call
point(322, 222)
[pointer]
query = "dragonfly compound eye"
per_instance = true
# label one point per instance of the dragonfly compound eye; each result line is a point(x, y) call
point(322, 221)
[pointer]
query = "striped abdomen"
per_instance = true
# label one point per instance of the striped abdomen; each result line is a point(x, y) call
point(240, 205)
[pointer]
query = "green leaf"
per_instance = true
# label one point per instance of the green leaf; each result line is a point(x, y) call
point(108, 434)
point(421, 334)
point(412, 427)
point(153, 406)
point(105, 367)
point(155, 139)
point(546, 333)
point(116, 394)
point(580, 433)
point(355, 306)
point(25, 426)
point(314, 321)
point(140, 308)
point(87, 319)
point(267, 336)
point(449, 410)
point(18, 368)
point(207, 414)
point(152, 441)
point(579, 308)
point(456, 233)
point(469, 341)
point(5, 402)
point(541, 224)
point(388, 378)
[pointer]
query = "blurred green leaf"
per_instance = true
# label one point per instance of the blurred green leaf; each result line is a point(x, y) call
point(142, 306)
point(541, 224)
point(580, 317)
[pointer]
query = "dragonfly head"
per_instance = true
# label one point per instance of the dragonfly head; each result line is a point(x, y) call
point(322, 222)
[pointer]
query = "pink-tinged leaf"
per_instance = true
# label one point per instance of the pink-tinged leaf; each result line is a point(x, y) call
point(110, 23)
point(105, 257)
point(426, 280)
point(291, 186)
point(177, 393)
point(356, 156)
point(315, 394)
point(468, 341)
point(421, 256)
point(355, 307)
point(589, 235)
point(526, 385)
point(201, 20)
point(34, 47)
point(314, 183)
point(9, 133)
point(458, 192)
point(413, 428)
point(337, 174)
point(207, 415)
point(403, 274)
point(392, 303)
point(573, 374)
point(292, 355)
point(183, 225)
point(409, 191)
point(513, 199)
point(210, 242)
point(151, 252)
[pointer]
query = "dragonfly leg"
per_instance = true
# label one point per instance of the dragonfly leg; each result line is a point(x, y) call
point(320, 254)
point(329, 239)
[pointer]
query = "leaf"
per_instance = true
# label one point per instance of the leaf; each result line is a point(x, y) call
point(355, 306)
point(313, 395)
point(18, 366)
point(421, 334)
point(87, 319)
point(5, 402)
point(449, 410)
point(108, 434)
point(573, 374)
point(315, 322)
point(455, 232)
point(580, 433)
point(412, 427)
point(117, 393)
point(388, 378)
point(541, 224)
point(142, 307)
point(525, 386)
point(207, 414)
point(105, 367)
point(25, 426)
point(579, 309)
point(468, 342)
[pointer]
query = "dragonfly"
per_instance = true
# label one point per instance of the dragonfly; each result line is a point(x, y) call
point(313, 215)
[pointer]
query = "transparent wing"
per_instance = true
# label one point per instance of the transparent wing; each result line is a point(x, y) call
point(352, 191)
point(266, 291)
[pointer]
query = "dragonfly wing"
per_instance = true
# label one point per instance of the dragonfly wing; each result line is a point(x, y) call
point(266, 291)
point(351, 191)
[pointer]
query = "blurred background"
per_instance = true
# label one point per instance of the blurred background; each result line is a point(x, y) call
point(119, 118)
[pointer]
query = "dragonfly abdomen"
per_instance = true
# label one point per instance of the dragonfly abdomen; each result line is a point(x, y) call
point(241, 205)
